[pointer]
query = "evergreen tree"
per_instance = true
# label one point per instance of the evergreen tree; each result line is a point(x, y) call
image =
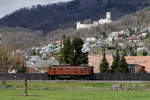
point(104, 66)
point(113, 40)
point(132, 51)
point(135, 50)
point(78, 56)
point(116, 60)
point(103, 49)
point(144, 53)
point(66, 51)
point(123, 66)
point(124, 53)
point(72, 53)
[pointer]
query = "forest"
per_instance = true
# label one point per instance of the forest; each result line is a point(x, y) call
point(47, 18)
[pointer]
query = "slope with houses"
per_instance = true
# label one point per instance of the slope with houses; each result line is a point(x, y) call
point(41, 57)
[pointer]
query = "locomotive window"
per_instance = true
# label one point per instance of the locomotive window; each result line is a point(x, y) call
point(76, 71)
point(60, 69)
point(81, 70)
point(67, 70)
point(54, 70)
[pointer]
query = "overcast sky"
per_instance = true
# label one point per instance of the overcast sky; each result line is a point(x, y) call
point(8, 6)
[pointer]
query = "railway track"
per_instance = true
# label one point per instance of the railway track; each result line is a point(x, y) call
point(83, 81)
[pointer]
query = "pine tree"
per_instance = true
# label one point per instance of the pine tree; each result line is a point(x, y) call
point(116, 60)
point(135, 50)
point(124, 53)
point(104, 66)
point(72, 53)
point(78, 56)
point(144, 53)
point(123, 66)
point(66, 51)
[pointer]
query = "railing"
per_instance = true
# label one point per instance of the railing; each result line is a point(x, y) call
point(22, 76)
point(122, 76)
point(98, 76)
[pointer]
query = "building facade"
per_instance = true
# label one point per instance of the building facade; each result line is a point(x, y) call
point(96, 23)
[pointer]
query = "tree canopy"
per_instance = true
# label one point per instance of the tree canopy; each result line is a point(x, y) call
point(116, 59)
point(123, 66)
point(72, 53)
point(119, 64)
point(104, 66)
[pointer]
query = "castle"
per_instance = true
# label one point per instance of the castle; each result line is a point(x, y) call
point(96, 23)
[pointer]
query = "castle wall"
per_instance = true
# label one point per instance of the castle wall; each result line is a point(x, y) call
point(96, 23)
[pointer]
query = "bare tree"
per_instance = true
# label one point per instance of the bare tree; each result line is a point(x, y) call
point(10, 59)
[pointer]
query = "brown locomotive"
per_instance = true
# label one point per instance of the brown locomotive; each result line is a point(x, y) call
point(70, 72)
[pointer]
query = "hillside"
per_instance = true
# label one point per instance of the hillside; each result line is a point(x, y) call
point(21, 37)
point(24, 38)
point(63, 15)
point(139, 18)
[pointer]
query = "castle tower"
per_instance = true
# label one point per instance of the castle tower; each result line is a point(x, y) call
point(78, 25)
point(108, 15)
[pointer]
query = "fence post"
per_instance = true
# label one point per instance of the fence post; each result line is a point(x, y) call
point(25, 87)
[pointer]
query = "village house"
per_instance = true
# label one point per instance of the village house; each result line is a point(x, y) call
point(140, 34)
point(91, 39)
point(47, 49)
point(58, 43)
point(137, 64)
point(135, 39)
point(142, 46)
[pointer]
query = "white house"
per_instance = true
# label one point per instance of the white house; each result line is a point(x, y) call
point(47, 49)
point(91, 39)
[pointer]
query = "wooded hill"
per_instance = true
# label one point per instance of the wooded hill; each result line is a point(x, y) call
point(63, 15)
point(24, 38)
point(59, 19)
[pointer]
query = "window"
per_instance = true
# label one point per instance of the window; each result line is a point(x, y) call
point(76, 70)
point(133, 69)
point(81, 70)
point(67, 70)
point(50, 68)
point(54, 70)
point(61, 69)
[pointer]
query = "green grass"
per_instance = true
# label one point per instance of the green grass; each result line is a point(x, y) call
point(72, 85)
point(74, 95)
point(74, 91)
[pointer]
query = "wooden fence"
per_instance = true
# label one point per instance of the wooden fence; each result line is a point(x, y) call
point(99, 76)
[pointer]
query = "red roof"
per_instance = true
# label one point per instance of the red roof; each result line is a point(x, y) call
point(30, 70)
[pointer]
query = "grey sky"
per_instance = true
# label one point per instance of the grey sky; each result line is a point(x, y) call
point(8, 6)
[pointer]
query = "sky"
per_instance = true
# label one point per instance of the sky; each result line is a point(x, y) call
point(9, 6)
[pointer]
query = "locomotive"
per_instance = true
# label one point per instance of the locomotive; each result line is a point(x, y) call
point(70, 72)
